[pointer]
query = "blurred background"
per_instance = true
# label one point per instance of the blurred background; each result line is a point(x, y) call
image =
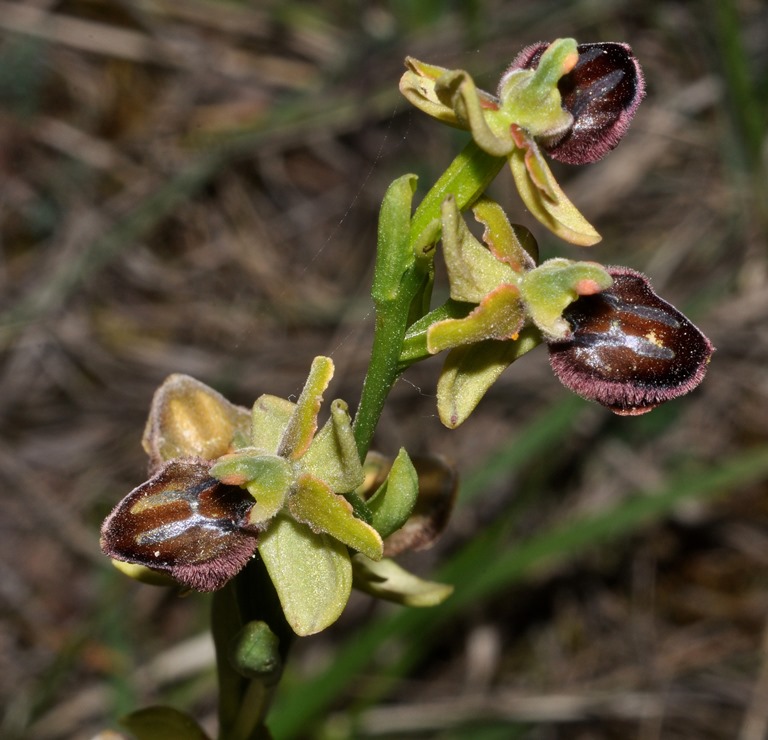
point(193, 187)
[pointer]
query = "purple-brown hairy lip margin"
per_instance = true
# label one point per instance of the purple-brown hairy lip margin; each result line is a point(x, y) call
point(185, 523)
point(629, 349)
point(602, 93)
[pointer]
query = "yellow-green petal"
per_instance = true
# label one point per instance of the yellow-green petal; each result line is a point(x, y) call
point(543, 196)
point(303, 423)
point(316, 505)
point(499, 316)
point(386, 579)
point(332, 457)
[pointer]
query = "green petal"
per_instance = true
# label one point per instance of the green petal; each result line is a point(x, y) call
point(471, 370)
point(394, 500)
point(303, 423)
point(509, 243)
point(311, 572)
point(189, 419)
point(543, 196)
point(499, 316)
point(269, 419)
point(267, 478)
point(316, 505)
point(473, 271)
point(418, 86)
point(550, 288)
point(332, 457)
point(531, 98)
point(385, 579)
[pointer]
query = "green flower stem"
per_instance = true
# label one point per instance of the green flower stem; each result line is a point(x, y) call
point(466, 179)
point(384, 367)
point(249, 723)
point(243, 702)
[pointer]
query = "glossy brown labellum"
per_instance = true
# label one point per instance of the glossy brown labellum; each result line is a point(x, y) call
point(601, 92)
point(183, 522)
point(629, 349)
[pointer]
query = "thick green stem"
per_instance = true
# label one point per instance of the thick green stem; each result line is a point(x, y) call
point(466, 179)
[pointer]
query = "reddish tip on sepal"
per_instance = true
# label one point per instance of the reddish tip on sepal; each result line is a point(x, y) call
point(602, 93)
point(629, 350)
point(185, 523)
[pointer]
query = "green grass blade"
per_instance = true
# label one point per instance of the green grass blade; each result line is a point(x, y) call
point(480, 571)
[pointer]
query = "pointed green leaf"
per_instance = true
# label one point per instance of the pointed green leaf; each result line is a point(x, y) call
point(550, 288)
point(332, 457)
point(394, 254)
point(499, 316)
point(311, 572)
point(471, 370)
point(543, 196)
point(303, 423)
point(393, 502)
point(316, 505)
point(269, 418)
point(385, 579)
point(162, 723)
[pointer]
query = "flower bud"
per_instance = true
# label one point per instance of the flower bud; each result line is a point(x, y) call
point(628, 349)
point(601, 92)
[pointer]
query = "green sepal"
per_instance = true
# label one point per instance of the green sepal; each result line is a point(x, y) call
point(394, 254)
point(473, 271)
point(531, 98)
point(316, 505)
point(499, 316)
point(509, 243)
point(303, 422)
point(386, 579)
point(311, 572)
point(189, 419)
point(469, 372)
point(269, 418)
point(543, 196)
point(418, 87)
point(161, 723)
point(143, 574)
point(332, 457)
point(550, 288)
point(393, 501)
point(255, 653)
